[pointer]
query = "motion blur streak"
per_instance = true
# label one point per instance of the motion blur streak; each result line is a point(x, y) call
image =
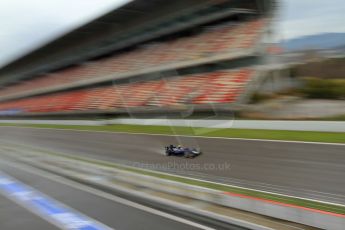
point(296, 169)
point(46, 207)
point(114, 211)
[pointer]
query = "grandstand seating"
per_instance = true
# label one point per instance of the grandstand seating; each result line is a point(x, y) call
point(214, 87)
point(224, 38)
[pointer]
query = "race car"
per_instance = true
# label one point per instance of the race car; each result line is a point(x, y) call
point(172, 150)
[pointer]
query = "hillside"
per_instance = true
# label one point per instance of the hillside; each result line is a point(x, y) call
point(319, 41)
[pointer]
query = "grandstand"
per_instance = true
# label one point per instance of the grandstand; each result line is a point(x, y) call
point(186, 53)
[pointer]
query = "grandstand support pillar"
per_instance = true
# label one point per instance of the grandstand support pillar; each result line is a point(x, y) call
point(260, 6)
point(265, 6)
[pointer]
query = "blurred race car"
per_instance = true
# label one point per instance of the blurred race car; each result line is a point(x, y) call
point(172, 150)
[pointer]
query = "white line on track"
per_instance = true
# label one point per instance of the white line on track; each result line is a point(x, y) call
point(279, 189)
point(71, 183)
point(114, 198)
point(27, 197)
point(222, 184)
point(175, 135)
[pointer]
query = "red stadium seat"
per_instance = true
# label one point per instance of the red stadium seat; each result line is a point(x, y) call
point(215, 87)
point(215, 40)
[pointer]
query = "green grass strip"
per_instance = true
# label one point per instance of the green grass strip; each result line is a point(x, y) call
point(309, 136)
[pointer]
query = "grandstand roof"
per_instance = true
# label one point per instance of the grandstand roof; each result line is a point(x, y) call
point(132, 23)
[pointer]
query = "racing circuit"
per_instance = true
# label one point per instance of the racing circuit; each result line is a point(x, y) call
point(149, 59)
point(309, 170)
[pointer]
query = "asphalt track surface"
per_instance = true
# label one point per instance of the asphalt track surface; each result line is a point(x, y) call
point(299, 169)
point(15, 217)
point(113, 214)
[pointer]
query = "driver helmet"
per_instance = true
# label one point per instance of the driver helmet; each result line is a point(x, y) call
point(179, 146)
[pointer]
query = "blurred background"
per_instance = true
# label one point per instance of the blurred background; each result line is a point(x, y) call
point(283, 56)
point(250, 94)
